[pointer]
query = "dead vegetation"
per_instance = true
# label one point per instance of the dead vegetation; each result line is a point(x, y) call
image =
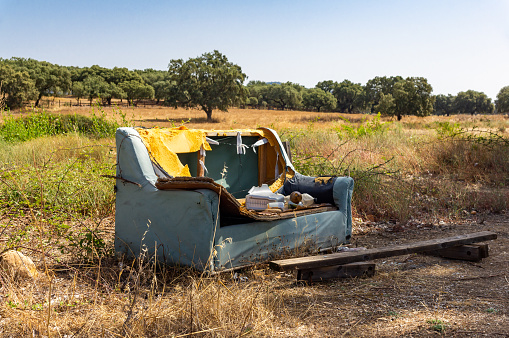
point(412, 183)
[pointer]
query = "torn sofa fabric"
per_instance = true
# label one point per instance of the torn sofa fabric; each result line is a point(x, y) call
point(198, 218)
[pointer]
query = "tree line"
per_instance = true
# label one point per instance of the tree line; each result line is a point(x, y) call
point(211, 82)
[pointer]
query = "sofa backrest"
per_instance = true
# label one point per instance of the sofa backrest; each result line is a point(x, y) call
point(236, 172)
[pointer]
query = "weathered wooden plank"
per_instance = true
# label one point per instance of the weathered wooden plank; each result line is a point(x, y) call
point(468, 252)
point(288, 150)
point(341, 258)
point(357, 269)
point(484, 250)
point(201, 159)
point(262, 164)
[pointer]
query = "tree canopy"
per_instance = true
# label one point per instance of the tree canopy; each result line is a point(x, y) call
point(49, 78)
point(395, 96)
point(377, 86)
point(16, 87)
point(136, 90)
point(502, 102)
point(444, 104)
point(350, 96)
point(316, 98)
point(209, 82)
point(473, 102)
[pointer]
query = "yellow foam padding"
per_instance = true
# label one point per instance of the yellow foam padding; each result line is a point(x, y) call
point(164, 144)
point(281, 180)
point(323, 180)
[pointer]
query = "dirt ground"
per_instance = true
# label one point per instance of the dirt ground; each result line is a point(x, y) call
point(412, 295)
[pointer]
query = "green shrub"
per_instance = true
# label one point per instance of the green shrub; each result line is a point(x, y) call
point(366, 127)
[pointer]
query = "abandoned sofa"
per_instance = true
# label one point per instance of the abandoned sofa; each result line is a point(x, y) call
point(180, 195)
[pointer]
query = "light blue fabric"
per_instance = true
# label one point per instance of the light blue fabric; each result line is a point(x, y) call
point(260, 241)
point(183, 227)
point(342, 193)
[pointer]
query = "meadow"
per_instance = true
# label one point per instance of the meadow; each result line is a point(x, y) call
point(415, 178)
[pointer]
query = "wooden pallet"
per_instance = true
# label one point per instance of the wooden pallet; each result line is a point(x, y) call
point(333, 265)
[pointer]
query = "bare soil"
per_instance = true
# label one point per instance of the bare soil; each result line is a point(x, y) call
point(412, 295)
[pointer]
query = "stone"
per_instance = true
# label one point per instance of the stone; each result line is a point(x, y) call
point(17, 264)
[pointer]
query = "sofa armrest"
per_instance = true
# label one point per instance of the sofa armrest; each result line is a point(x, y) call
point(333, 190)
point(342, 192)
point(133, 160)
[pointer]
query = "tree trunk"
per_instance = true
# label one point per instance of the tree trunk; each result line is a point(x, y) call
point(38, 99)
point(208, 111)
point(399, 117)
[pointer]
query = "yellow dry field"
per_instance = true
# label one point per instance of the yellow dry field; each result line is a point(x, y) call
point(235, 118)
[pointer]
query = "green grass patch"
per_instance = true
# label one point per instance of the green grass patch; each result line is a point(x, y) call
point(42, 123)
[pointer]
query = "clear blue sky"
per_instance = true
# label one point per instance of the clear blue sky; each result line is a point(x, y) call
point(456, 44)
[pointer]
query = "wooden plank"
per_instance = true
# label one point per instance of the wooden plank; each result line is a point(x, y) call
point(341, 258)
point(469, 252)
point(262, 164)
point(200, 170)
point(484, 250)
point(358, 269)
point(288, 151)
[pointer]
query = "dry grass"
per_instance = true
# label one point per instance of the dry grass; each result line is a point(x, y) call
point(55, 148)
point(250, 118)
point(409, 296)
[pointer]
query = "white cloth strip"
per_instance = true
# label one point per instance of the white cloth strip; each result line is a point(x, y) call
point(204, 167)
point(202, 152)
point(259, 143)
point(211, 141)
point(241, 148)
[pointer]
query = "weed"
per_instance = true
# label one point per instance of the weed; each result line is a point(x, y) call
point(436, 325)
point(37, 307)
point(87, 245)
point(447, 129)
point(394, 314)
point(49, 194)
point(367, 127)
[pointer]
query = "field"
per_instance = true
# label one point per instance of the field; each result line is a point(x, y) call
point(416, 179)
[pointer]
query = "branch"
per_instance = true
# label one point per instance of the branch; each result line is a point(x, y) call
point(122, 179)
